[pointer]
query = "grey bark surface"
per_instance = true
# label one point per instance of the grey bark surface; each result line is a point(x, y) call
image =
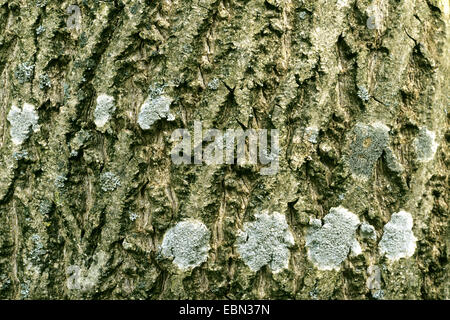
point(359, 91)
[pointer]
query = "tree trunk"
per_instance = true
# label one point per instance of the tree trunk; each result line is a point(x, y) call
point(92, 205)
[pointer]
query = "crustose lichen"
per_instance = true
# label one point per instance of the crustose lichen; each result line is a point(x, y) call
point(40, 29)
point(44, 81)
point(329, 245)
point(187, 243)
point(109, 181)
point(363, 94)
point(425, 145)
point(266, 241)
point(60, 181)
point(24, 72)
point(22, 122)
point(104, 109)
point(398, 240)
point(154, 109)
point(367, 146)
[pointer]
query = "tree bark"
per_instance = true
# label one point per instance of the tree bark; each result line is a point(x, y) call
point(88, 191)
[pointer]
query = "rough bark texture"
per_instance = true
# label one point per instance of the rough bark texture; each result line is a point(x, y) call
point(356, 88)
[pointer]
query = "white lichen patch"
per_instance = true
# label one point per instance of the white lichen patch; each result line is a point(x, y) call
point(23, 122)
point(133, 216)
point(363, 94)
point(109, 181)
point(425, 145)
point(104, 109)
point(315, 223)
point(40, 29)
point(266, 241)
point(329, 245)
point(398, 240)
point(25, 72)
point(187, 243)
point(213, 84)
point(153, 109)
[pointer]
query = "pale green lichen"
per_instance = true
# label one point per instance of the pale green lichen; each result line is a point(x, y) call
point(23, 122)
point(398, 240)
point(266, 241)
point(104, 109)
point(187, 243)
point(329, 245)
